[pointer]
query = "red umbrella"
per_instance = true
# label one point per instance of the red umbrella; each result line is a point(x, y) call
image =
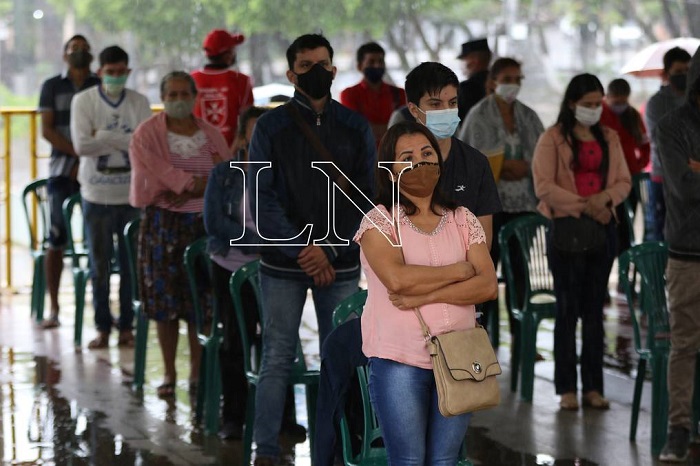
point(649, 62)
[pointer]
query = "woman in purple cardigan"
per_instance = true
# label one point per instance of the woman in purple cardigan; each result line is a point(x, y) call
point(171, 155)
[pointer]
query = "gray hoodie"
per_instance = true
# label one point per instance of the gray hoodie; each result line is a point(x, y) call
point(678, 139)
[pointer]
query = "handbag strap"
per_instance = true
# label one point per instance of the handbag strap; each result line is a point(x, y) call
point(312, 137)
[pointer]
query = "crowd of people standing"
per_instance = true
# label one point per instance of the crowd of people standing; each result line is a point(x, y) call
point(172, 170)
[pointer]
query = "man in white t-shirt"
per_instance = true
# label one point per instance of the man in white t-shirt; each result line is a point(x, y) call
point(103, 119)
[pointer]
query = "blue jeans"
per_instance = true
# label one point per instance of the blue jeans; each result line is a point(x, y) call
point(656, 212)
point(282, 304)
point(406, 403)
point(102, 223)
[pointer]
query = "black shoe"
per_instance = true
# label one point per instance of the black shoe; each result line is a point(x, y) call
point(231, 431)
point(676, 448)
point(294, 432)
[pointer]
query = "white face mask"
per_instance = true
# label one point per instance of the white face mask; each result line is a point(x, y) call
point(507, 92)
point(588, 116)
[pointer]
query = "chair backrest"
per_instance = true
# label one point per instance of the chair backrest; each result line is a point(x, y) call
point(352, 307)
point(648, 262)
point(131, 238)
point(75, 245)
point(252, 350)
point(530, 232)
point(36, 194)
point(197, 263)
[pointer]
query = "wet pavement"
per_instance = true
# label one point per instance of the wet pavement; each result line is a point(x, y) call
point(65, 406)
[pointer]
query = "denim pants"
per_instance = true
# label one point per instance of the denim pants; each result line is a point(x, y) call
point(580, 286)
point(102, 223)
point(282, 305)
point(683, 305)
point(656, 212)
point(415, 433)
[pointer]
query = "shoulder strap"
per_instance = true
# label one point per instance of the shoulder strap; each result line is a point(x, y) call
point(315, 142)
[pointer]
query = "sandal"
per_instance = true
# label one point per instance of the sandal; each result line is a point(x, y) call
point(166, 390)
point(51, 322)
point(126, 339)
point(100, 342)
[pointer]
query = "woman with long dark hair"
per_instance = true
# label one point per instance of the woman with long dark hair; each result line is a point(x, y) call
point(579, 170)
point(443, 268)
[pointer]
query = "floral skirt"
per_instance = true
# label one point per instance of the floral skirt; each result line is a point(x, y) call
point(164, 289)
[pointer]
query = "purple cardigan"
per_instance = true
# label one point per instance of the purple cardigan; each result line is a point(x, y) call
point(151, 170)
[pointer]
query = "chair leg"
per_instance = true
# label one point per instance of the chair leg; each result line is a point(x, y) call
point(249, 426)
point(638, 385)
point(212, 414)
point(311, 397)
point(202, 388)
point(39, 289)
point(140, 350)
point(659, 402)
point(515, 355)
point(528, 345)
point(80, 279)
point(694, 431)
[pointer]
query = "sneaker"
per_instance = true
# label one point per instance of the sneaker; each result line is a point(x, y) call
point(265, 461)
point(294, 432)
point(231, 431)
point(676, 448)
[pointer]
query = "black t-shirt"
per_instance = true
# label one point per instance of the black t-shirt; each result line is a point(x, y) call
point(467, 180)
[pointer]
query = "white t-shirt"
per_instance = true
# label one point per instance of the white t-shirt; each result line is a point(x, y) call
point(101, 130)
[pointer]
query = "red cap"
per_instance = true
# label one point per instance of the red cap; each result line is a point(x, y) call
point(219, 40)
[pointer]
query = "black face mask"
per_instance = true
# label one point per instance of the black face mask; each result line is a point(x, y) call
point(316, 82)
point(374, 74)
point(80, 59)
point(678, 81)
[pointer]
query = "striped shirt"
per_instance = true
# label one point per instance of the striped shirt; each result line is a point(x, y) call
point(56, 96)
point(193, 154)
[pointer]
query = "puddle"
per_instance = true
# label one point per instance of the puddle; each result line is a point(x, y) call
point(486, 452)
point(39, 426)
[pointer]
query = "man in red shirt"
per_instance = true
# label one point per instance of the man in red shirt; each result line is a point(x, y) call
point(223, 94)
point(372, 97)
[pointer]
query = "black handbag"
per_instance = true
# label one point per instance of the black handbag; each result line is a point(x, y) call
point(583, 234)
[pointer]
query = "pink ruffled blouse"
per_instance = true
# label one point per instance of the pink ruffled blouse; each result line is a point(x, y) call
point(387, 331)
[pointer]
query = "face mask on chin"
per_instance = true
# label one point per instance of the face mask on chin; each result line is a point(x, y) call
point(420, 181)
point(316, 83)
point(442, 123)
point(588, 116)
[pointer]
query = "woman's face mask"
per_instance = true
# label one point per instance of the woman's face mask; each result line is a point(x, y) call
point(588, 116)
point(420, 181)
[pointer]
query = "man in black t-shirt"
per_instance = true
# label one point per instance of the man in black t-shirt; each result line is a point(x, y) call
point(431, 90)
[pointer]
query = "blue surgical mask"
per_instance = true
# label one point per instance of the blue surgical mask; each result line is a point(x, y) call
point(619, 109)
point(442, 123)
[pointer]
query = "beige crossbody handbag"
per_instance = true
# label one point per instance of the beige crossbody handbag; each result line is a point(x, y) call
point(465, 368)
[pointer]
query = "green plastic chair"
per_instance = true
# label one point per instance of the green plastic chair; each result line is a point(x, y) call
point(77, 251)
point(35, 194)
point(539, 301)
point(648, 261)
point(370, 454)
point(301, 375)
point(209, 335)
point(131, 235)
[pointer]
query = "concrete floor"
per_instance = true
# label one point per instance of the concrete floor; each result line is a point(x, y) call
point(62, 405)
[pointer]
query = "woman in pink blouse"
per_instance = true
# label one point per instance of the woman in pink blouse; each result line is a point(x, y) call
point(443, 268)
point(171, 156)
point(579, 169)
